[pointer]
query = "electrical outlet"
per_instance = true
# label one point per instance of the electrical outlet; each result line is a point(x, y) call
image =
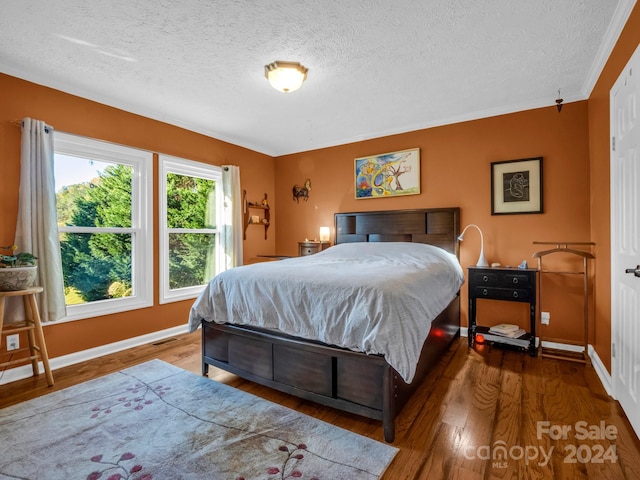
point(13, 342)
point(545, 317)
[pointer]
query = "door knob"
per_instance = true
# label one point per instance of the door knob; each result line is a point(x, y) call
point(635, 271)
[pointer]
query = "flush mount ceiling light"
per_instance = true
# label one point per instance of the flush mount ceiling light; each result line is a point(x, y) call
point(285, 76)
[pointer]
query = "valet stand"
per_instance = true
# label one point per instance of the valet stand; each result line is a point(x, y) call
point(33, 327)
point(564, 247)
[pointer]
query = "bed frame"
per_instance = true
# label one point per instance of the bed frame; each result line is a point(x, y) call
point(351, 381)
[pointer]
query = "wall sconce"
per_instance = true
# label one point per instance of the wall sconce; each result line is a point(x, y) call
point(285, 76)
point(325, 233)
point(482, 262)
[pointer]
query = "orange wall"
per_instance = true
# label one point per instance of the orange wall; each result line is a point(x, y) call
point(79, 116)
point(455, 171)
point(600, 179)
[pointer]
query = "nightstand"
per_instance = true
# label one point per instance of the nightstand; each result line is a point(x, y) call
point(310, 247)
point(508, 284)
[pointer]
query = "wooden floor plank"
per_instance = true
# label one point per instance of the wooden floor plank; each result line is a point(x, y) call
point(532, 412)
point(473, 398)
point(438, 458)
point(482, 388)
point(507, 424)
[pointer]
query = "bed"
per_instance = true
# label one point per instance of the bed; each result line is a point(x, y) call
point(362, 378)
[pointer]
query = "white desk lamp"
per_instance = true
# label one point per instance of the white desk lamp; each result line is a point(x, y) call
point(482, 262)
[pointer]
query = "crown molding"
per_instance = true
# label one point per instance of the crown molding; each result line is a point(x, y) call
point(618, 21)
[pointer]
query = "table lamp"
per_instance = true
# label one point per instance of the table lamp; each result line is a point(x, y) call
point(482, 262)
point(325, 232)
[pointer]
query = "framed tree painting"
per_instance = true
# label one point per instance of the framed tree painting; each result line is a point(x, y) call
point(516, 186)
point(388, 174)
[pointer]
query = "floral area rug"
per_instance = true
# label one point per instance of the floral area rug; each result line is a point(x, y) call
point(156, 421)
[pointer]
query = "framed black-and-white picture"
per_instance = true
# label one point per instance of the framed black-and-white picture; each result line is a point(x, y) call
point(516, 186)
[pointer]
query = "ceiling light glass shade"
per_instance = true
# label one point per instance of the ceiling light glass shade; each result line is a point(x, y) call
point(285, 76)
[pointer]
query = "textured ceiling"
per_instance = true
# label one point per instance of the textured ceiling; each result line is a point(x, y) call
point(376, 67)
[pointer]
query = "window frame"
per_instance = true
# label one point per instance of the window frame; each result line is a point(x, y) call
point(181, 166)
point(141, 229)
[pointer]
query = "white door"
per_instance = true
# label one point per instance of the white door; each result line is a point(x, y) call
point(625, 239)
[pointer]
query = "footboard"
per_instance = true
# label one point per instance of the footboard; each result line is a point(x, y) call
point(340, 378)
point(351, 381)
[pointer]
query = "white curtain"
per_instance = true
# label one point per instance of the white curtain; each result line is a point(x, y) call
point(232, 217)
point(37, 227)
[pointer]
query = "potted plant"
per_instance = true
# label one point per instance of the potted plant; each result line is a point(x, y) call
point(17, 270)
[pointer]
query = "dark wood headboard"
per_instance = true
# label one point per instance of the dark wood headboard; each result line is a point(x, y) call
point(435, 226)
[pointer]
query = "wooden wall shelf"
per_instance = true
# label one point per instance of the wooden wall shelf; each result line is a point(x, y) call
point(253, 209)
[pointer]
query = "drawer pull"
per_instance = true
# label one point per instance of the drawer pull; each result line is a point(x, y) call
point(515, 279)
point(515, 294)
point(485, 292)
point(485, 278)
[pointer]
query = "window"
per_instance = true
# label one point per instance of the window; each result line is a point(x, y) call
point(190, 211)
point(103, 193)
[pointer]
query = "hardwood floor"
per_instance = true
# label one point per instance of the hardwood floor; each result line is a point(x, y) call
point(474, 405)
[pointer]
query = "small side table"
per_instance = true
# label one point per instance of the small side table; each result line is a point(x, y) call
point(32, 325)
point(311, 247)
point(503, 283)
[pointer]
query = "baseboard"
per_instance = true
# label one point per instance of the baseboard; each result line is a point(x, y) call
point(25, 371)
point(567, 347)
point(601, 371)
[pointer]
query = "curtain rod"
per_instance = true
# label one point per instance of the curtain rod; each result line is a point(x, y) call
point(47, 128)
point(18, 123)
